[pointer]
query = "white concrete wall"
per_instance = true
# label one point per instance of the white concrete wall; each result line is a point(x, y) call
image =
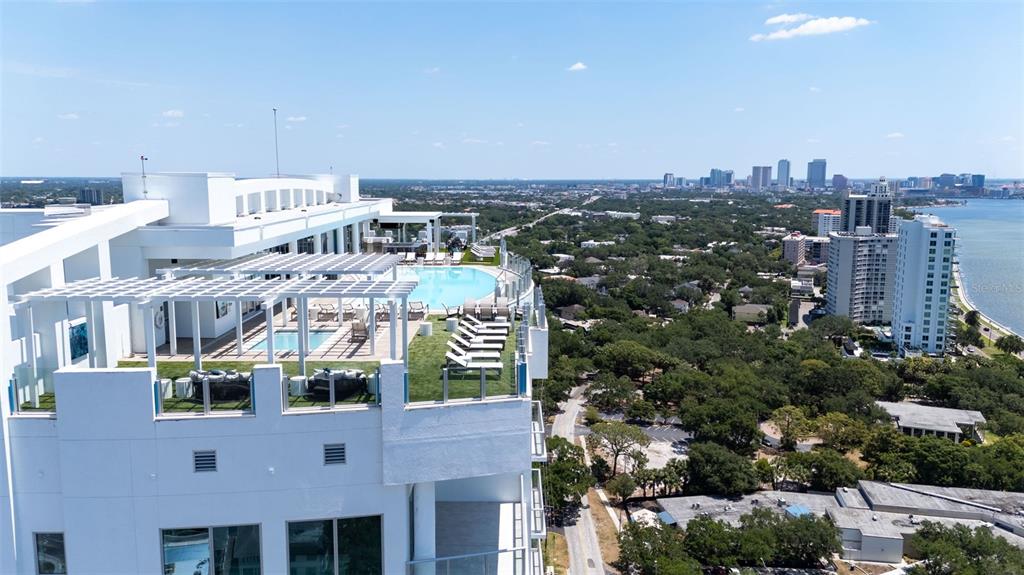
point(111, 476)
point(501, 487)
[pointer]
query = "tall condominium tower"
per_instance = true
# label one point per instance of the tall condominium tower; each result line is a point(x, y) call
point(872, 209)
point(783, 174)
point(669, 180)
point(861, 267)
point(816, 174)
point(924, 266)
point(760, 178)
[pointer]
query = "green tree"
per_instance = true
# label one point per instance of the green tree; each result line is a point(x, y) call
point(803, 541)
point(599, 468)
point(653, 550)
point(714, 470)
point(765, 472)
point(711, 542)
point(621, 486)
point(617, 439)
point(972, 318)
point(840, 431)
point(642, 411)
point(630, 359)
point(566, 476)
point(1010, 344)
point(792, 424)
point(958, 550)
point(825, 469)
point(610, 393)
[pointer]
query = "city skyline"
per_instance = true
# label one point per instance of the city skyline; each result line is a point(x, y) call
point(511, 91)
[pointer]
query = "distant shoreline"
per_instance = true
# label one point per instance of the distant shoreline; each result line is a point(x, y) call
point(964, 301)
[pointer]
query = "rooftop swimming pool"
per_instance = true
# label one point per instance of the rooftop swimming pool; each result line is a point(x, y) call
point(448, 285)
point(289, 341)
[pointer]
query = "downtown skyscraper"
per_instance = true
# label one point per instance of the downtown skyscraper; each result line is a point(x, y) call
point(816, 174)
point(760, 178)
point(924, 268)
point(783, 174)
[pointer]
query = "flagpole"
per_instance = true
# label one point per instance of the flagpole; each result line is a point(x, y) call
point(143, 159)
point(277, 160)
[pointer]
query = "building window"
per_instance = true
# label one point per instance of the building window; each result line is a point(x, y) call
point(50, 554)
point(349, 546)
point(229, 550)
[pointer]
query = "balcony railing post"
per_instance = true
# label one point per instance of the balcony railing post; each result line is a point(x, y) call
point(285, 393)
point(483, 383)
point(444, 385)
point(12, 393)
point(206, 395)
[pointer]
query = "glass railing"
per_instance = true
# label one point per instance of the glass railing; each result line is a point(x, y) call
point(504, 562)
point(331, 388)
point(538, 525)
point(538, 445)
point(205, 393)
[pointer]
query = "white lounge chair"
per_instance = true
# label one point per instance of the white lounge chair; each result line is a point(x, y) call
point(482, 338)
point(477, 345)
point(484, 324)
point(485, 329)
point(474, 355)
point(456, 258)
point(419, 308)
point(464, 363)
point(410, 258)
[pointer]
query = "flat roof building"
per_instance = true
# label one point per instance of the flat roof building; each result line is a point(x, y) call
point(920, 420)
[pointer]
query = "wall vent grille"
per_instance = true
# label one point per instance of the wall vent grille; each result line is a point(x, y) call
point(205, 460)
point(334, 453)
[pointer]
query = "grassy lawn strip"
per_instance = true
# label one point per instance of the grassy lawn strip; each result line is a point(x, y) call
point(556, 553)
point(607, 536)
point(426, 359)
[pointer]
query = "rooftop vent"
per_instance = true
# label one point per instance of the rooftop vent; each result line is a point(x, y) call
point(334, 453)
point(205, 460)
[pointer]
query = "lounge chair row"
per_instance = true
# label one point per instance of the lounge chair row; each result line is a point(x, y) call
point(477, 345)
point(433, 258)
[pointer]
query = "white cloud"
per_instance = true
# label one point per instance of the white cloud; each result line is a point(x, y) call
point(814, 89)
point(438, 145)
point(894, 136)
point(169, 124)
point(339, 136)
point(520, 124)
point(473, 141)
point(234, 125)
point(612, 144)
point(174, 114)
point(739, 109)
point(1007, 139)
point(577, 67)
point(68, 116)
point(787, 19)
point(294, 119)
point(38, 140)
point(813, 140)
point(540, 143)
point(815, 27)
point(24, 69)
point(343, 126)
point(432, 71)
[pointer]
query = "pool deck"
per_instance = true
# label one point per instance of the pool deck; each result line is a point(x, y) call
point(337, 346)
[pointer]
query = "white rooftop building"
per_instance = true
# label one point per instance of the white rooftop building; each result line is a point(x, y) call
point(921, 290)
point(215, 377)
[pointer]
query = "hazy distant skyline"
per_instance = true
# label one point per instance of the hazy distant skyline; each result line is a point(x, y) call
point(493, 91)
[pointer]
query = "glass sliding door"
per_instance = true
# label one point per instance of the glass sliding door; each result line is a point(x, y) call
point(232, 550)
point(359, 546)
point(350, 546)
point(311, 548)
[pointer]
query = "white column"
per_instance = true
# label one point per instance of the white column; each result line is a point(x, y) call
point(147, 321)
point(355, 239)
point(331, 247)
point(472, 229)
point(373, 328)
point(238, 328)
point(317, 246)
point(30, 350)
point(197, 346)
point(341, 313)
point(303, 334)
point(293, 247)
point(269, 311)
point(90, 332)
point(172, 326)
point(405, 331)
point(424, 523)
point(393, 320)
point(437, 234)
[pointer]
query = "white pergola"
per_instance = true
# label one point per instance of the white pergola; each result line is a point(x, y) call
point(149, 293)
point(290, 264)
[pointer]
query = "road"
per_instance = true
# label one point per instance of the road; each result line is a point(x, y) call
point(584, 550)
point(512, 230)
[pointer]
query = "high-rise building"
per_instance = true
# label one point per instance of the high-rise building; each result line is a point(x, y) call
point(826, 221)
point(760, 178)
point(861, 267)
point(783, 174)
point(921, 289)
point(793, 248)
point(978, 181)
point(90, 196)
point(203, 470)
point(840, 182)
point(669, 180)
point(872, 209)
point(945, 181)
point(816, 174)
point(720, 178)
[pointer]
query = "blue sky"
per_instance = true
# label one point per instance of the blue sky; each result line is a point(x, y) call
point(490, 90)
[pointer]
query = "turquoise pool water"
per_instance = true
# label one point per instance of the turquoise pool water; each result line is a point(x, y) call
point(289, 341)
point(449, 285)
